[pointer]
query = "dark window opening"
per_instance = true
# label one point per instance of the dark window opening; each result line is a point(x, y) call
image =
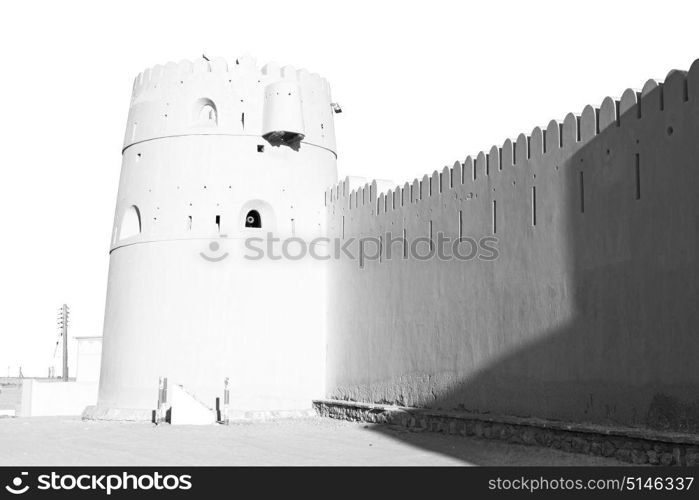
point(260, 148)
point(253, 219)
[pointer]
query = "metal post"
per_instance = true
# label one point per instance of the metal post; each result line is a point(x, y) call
point(163, 405)
point(226, 399)
point(64, 334)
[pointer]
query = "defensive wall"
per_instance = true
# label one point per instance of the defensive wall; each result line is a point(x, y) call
point(588, 312)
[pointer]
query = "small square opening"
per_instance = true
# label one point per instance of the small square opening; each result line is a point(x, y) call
point(260, 148)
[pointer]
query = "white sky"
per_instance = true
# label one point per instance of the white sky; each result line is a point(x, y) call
point(421, 84)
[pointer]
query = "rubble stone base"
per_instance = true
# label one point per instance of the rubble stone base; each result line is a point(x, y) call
point(633, 445)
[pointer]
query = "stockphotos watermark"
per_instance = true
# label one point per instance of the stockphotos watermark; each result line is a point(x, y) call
point(374, 248)
point(106, 483)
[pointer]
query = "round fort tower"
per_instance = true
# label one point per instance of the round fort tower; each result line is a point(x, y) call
point(219, 158)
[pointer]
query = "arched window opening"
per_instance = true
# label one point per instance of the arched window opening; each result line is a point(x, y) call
point(208, 114)
point(205, 112)
point(253, 219)
point(130, 223)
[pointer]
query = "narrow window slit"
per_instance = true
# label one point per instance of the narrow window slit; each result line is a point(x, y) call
point(533, 205)
point(405, 244)
point(577, 128)
point(543, 135)
point(662, 98)
point(560, 135)
point(637, 168)
point(431, 238)
point(495, 217)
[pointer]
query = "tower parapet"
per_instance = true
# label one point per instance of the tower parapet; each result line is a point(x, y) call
point(217, 98)
point(207, 142)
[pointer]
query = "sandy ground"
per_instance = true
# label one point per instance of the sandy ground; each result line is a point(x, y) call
point(310, 441)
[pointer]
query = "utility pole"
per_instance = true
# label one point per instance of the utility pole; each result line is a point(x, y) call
point(63, 314)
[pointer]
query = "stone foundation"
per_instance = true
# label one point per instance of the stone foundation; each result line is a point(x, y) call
point(637, 446)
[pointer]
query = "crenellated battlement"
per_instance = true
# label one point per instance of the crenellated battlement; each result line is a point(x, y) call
point(176, 73)
point(213, 97)
point(541, 152)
